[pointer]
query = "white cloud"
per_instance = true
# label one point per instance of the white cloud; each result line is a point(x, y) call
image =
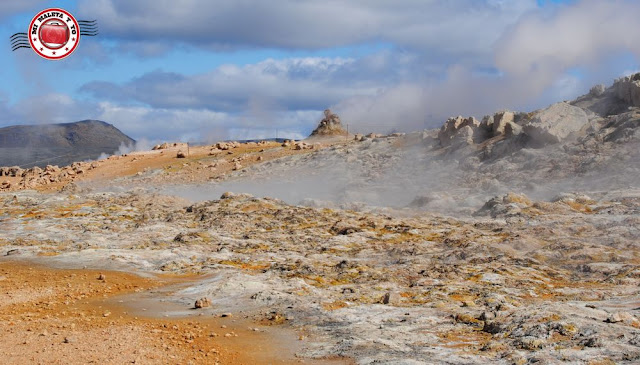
point(201, 125)
point(447, 58)
point(448, 27)
point(540, 46)
point(10, 8)
point(290, 84)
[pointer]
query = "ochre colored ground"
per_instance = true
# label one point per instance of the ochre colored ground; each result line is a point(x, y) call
point(56, 316)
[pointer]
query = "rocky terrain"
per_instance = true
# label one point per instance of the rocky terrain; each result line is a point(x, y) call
point(58, 144)
point(512, 239)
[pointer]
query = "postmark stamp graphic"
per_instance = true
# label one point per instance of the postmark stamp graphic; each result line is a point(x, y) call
point(54, 33)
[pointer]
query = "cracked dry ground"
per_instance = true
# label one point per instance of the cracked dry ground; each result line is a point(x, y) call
point(531, 281)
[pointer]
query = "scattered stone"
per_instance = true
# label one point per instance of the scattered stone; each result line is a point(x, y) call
point(161, 146)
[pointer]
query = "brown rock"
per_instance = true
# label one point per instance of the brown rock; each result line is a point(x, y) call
point(329, 126)
point(203, 303)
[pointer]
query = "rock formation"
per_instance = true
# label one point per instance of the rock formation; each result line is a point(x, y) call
point(555, 123)
point(330, 125)
point(458, 130)
point(628, 89)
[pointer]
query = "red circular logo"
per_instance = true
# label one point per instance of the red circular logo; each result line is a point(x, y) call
point(54, 33)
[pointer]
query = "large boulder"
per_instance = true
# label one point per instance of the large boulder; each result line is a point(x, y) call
point(555, 123)
point(463, 137)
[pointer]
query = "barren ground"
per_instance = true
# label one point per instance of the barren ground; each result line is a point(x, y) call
point(387, 250)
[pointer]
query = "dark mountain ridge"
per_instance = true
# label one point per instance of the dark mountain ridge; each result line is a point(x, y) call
point(58, 144)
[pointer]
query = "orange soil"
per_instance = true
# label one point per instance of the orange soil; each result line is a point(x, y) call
point(192, 169)
point(57, 316)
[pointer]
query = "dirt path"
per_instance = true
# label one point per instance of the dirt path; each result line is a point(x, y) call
point(66, 316)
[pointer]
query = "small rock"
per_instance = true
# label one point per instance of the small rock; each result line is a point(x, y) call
point(492, 327)
point(203, 303)
point(620, 317)
point(485, 316)
point(591, 342)
point(468, 303)
point(530, 343)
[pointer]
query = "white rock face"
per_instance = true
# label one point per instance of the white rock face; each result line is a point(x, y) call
point(448, 134)
point(555, 123)
point(463, 136)
point(500, 121)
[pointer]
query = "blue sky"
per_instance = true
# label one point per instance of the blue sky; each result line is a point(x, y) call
point(205, 70)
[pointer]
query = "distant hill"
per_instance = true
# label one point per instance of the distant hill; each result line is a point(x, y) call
point(58, 144)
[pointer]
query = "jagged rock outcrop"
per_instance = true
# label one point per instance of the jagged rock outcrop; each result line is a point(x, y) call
point(613, 100)
point(329, 126)
point(605, 114)
point(627, 89)
point(458, 130)
point(500, 122)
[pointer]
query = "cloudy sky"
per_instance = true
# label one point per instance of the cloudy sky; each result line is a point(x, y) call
point(202, 70)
